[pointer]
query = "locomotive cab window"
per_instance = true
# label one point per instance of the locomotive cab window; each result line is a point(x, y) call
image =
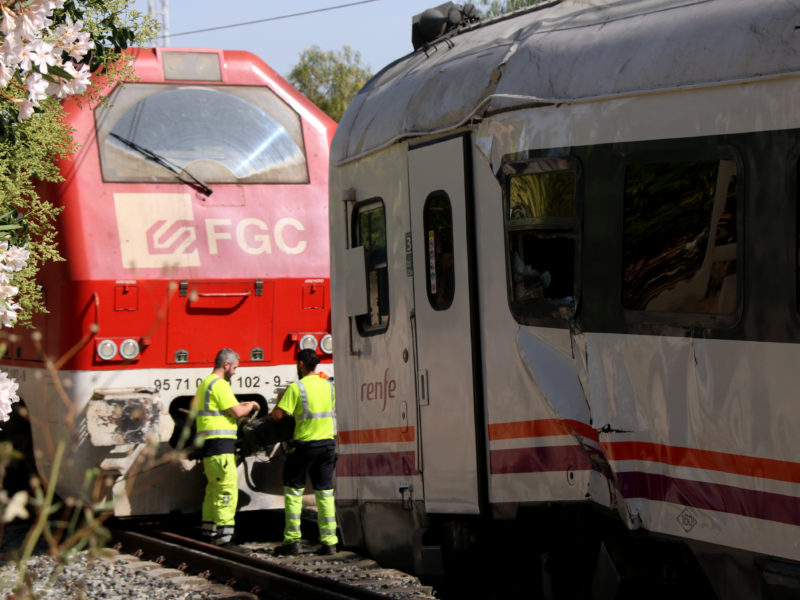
point(680, 236)
point(437, 219)
point(369, 230)
point(541, 236)
point(219, 134)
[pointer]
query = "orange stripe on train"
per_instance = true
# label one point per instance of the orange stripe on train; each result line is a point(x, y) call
point(738, 464)
point(540, 428)
point(377, 436)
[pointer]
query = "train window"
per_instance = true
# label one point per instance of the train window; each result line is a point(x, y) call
point(218, 134)
point(370, 231)
point(437, 219)
point(679, 237)
point(541, 234)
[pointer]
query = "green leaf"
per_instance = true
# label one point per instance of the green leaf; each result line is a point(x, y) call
point(58, 71)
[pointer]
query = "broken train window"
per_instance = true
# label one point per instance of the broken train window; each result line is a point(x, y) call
point(541, 232)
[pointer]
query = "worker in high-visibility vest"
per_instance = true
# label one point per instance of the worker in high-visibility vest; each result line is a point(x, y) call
point(312, 402)
point(216, 410)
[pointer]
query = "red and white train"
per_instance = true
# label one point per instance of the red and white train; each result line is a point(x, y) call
point(565, 274)
point(195, 218)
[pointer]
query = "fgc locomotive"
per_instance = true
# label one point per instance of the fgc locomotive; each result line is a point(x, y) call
point(195, 218)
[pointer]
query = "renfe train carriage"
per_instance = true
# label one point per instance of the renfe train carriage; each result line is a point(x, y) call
point(565, 297)
point(195, 218)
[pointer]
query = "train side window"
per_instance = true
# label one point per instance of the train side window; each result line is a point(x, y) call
point(679, 237)
point(437, 219)
point(541, 234)
point(370, 231)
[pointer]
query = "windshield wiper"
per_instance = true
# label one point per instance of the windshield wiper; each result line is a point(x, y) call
point(191, 181)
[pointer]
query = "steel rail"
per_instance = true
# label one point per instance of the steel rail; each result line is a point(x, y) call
point(248, 571)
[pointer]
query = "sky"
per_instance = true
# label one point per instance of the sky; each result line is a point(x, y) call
point(380, 30)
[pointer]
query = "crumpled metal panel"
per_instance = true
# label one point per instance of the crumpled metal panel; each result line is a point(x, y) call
point(572, 52)
point(556, 376)
point(126, 416)
point(700, 436)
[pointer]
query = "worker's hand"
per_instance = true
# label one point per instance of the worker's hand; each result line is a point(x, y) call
point(255, 406)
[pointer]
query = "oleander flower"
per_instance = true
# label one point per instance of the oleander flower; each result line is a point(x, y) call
point(30, 50)
point(8, 395)
point(16, 258)
point(12, 259)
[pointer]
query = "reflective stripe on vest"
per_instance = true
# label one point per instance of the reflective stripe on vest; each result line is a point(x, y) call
point(309, 424)
point(309, 415)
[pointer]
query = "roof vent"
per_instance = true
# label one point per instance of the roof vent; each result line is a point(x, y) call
point(433, 23)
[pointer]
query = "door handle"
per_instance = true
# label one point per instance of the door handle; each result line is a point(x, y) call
point(424, 399)
point(223, 294)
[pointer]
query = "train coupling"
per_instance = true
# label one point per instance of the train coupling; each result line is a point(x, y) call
point(257, 435)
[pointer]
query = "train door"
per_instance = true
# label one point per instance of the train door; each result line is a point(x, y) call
point(446, 332)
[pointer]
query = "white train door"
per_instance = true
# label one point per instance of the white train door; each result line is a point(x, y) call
point(446, 331)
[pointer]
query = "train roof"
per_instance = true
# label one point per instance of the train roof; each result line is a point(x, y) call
point(568, 52)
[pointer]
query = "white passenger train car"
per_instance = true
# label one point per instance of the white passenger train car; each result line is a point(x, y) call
point(565, 297)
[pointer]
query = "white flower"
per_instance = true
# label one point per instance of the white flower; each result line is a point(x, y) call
point(9, 316)
point(80, 46)
point(80, 81)
point(24, 63)
point(32, 23)
point(11, 51)
point(67, 32)
point(25, 109)
point(8, 395)
point(36, 86)
point(72, 40)
point(7, 291)
point(41, 54)
point(6, 73)
point(9, 22)
point(63, 87)
point(29, 49)
point(16, 258)
point(50, 5)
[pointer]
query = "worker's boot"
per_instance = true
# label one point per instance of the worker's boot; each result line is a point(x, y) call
point(288, 549)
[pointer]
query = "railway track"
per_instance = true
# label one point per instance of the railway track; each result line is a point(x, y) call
point(253, 568)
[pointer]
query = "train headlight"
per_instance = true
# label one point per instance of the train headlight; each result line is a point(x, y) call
point(129, 349)
point(106, 349)
point(308, 342)
point(326, 343)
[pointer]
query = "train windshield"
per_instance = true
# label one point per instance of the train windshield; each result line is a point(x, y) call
point(218, 134)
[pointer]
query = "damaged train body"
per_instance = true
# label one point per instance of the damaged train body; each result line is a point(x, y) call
point(565, 260)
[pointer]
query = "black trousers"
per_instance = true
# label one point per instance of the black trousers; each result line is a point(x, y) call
point(316, 460)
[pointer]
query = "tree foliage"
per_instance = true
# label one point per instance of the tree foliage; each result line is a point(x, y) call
point(493, 8)
point(30, 147)
point(330, 79)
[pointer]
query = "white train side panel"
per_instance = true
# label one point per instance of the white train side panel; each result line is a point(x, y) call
point(501, 369)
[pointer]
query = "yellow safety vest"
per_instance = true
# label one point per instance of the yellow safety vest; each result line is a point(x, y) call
point(312, 401)
point(211, 403)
